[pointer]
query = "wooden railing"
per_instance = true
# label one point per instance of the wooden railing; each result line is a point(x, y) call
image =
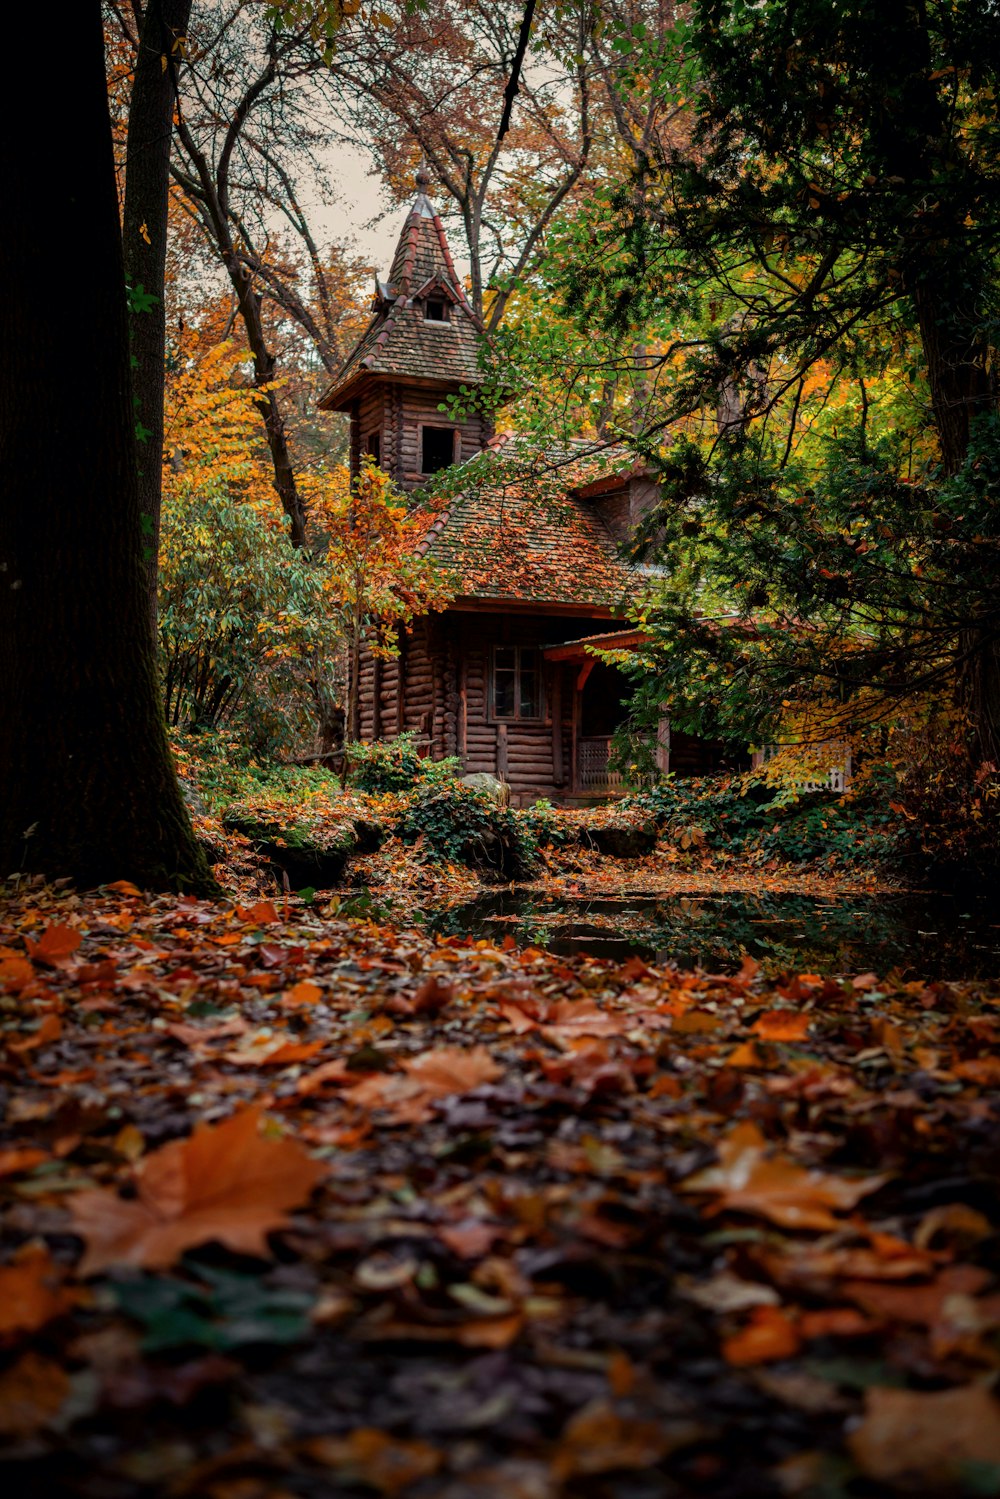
point(592, 770)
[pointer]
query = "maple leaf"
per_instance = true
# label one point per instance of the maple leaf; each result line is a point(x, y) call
point(452, 1069)
point(55, 943)
point(748, 1180)
point(226, 1183)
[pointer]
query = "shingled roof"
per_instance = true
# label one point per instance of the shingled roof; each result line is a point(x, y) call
point(517, 541)
point(399, 343)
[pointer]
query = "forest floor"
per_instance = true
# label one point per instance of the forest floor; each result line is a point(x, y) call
point(295, 1204)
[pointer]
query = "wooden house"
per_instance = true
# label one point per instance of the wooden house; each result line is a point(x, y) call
point(503, 677)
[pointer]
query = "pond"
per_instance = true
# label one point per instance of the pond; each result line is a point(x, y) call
point(925, 936)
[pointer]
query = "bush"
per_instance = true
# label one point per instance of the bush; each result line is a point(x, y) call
point(749, 816)
point(459, 825)
point(396, 765)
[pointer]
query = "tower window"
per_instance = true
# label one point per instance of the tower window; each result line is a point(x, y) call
point(435, 310)
point(373, 445)
point(437, 449)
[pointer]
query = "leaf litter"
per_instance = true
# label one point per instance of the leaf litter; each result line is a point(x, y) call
point(293, 1201)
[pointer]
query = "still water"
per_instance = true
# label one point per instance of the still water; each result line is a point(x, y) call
point(925, 936)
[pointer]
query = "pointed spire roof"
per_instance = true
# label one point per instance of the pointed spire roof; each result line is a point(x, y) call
point(399, 342)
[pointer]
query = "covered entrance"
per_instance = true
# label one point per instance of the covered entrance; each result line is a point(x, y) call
point(598, 701)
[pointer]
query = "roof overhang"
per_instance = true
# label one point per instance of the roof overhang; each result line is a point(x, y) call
point(474, 604)
point(583, 650)
point(341, 397)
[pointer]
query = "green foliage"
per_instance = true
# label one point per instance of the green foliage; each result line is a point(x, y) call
point(233, 591)
point(223, 1309)
point(396, 765)
point(461, 825)
point(223, 769)
point(746, 815)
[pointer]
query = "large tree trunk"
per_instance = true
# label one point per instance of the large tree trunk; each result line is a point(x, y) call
point(89, 790)
point(144, 241)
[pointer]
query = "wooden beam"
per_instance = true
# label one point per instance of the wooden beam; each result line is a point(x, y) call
point(557, 755)
point(584, 673)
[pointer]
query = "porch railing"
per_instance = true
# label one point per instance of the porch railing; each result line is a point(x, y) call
point(593, 773)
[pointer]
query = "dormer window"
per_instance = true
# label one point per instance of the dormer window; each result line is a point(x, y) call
point(435, 310)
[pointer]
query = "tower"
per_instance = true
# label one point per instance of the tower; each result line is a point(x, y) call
point(421, 346)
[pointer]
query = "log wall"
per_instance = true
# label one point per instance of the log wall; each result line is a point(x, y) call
point(444, 673)
point(398, 413)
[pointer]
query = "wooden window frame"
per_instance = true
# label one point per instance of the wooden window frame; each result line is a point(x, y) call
point(438, 322)
point(366, 451)
point(492, 716)
point(456, 445)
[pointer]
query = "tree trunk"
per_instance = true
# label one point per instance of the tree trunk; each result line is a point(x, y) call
point(144, 242)
point(89, 790)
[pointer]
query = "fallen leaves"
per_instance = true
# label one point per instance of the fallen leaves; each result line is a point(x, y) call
point(577, 1213)
point(749, 1178)
point(914, 1440)
point(227, 1183)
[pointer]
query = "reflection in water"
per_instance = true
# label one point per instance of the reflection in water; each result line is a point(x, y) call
point(920, 935)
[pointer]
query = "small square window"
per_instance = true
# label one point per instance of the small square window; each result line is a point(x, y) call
point(435, 310)
point(437, 449)
point(516, 682)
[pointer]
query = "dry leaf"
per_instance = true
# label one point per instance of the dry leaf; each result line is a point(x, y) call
point(31, 1393)
point(452, 1069)
point(14, 1161)
point(31, 1293)
point(375, 1458)
point(748, 1180)
point(769, 1335)
point(916, 1441)
point(226, 1182)
point(55, 943)
point(781, 1025)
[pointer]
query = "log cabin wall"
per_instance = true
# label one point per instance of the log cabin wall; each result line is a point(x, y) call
point(445, 668)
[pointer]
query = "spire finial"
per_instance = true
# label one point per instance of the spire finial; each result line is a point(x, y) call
point(423, 177)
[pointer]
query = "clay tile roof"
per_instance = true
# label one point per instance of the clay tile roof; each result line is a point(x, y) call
point(398, 341)
point(524, 542)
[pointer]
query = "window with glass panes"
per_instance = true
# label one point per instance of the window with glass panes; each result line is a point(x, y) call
point(516, 682)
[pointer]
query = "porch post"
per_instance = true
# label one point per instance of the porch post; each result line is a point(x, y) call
point(574, 734)
point(557, 756)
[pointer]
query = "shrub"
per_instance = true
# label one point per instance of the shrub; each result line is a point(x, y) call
point(459, 825)
point(396, 765)
point(750, 816)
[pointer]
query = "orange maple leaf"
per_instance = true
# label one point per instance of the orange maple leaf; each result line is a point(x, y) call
point(749, 1180)
point(56, 942)
point(452, 1069)
point(225, 1183)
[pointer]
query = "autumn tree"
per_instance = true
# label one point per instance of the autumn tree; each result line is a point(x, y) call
point(377, 578)
point(89, 788)
point(834, 225)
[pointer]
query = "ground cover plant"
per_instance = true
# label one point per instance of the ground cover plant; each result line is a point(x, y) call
point(294, 1202)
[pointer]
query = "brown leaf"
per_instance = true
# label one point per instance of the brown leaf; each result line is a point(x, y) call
point(31, 1393)
point(14, 1161)
point(375, 1458)
point(781, 1025)
point(31, 1293)
point(598, 1440)
point(226, 1182)
point(55, 943)
point(769, 1335)
point(748, 1180)
point(452, 1069)
point(915, 1441)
